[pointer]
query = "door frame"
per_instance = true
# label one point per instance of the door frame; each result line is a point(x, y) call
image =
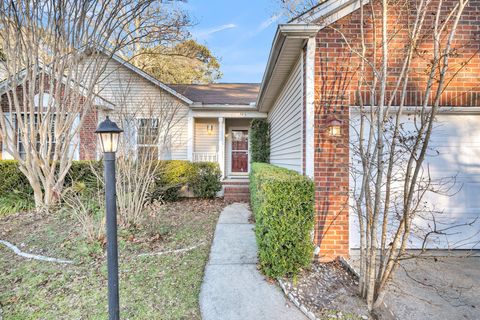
point(229, 151)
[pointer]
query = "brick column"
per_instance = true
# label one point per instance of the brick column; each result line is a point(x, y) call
point(331, 185)
point(88, 138)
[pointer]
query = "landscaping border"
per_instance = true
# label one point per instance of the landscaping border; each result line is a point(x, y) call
point(310, 315)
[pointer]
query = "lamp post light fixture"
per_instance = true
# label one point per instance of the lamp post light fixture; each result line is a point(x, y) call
point(109, 133)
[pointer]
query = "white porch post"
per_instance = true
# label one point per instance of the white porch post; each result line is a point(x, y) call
point(221, 145)
point(190, 137)
point(310, 108)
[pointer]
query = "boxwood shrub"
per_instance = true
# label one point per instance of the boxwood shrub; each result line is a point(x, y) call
point(12, 180)
point(16, 195)
point(206, 181)
point(283, 204)
point(202, 178)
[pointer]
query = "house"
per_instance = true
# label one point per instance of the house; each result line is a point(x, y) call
point(208, 122)
point(306, 55)
point(212, 121)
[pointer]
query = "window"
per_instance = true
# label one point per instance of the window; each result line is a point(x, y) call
point(50, 140)
point(147, 138)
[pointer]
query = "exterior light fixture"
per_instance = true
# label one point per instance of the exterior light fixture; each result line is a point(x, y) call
point(334, 127)
point(209, 129)
point(109, 133)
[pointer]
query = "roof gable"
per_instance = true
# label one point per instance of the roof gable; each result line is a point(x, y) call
point(151, 79)
point(290, 40)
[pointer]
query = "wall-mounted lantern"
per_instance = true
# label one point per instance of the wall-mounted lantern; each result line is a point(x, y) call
point(334, 127)
point(210, 129)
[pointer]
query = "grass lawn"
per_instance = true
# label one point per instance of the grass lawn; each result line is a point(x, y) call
point(151, 287)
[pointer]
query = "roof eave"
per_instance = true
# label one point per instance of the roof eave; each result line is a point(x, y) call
point(324, 10)
point(223, 106)
point(302, 31)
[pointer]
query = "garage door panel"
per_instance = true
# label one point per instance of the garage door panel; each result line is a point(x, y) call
point(453, 163)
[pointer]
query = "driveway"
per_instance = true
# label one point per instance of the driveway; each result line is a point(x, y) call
point(436, 287)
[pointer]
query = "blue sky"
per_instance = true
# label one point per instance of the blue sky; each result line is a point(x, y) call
point(239, 33)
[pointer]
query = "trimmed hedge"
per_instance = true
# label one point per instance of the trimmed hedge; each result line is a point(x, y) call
point(206, 181)
point(12, 179)
point(260, 140)
point(171, 176)
point(283, 204)
point(203, 178)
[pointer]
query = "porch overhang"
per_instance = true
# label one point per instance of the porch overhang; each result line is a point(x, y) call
point(288, 43)
point(228, 114)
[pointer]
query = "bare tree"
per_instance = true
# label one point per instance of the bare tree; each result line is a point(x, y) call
point(152, 126)
point(400, 55)
point(293, 8)
point(54, 55)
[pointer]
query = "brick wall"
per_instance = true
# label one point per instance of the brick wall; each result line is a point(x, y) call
point(336, 76)
point(88, 139)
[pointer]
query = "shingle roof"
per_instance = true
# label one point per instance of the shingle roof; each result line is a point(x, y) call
point(220, 93)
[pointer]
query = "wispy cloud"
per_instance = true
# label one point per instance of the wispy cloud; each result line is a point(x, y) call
point(267, 23)
point(207, 33)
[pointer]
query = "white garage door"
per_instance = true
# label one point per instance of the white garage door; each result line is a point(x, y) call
point(453, 162)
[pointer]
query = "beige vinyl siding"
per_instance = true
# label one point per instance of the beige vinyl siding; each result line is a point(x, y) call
point(286, 119)
point(134, 94)
point(205, 142)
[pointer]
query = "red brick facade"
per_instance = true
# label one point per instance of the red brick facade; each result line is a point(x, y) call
point(335, 91)
point(88, 139)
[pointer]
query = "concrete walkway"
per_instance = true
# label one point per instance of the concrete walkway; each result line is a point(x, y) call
point(232, 287)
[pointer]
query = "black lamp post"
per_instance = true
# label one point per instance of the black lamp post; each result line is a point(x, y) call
point(109, 133)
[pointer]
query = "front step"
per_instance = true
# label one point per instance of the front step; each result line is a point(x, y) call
point(236, 190)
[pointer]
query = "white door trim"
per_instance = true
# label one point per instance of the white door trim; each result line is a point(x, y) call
point(229, 151)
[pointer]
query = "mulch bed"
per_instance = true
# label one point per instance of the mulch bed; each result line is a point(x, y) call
point(329, 291)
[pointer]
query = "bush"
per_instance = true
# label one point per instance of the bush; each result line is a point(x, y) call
point(283, 204)
point(13, 180)
point(170, 178)
point(85, 171)
point(203, 178)
point(205, 183)
point(260, 140)
point(15, 202)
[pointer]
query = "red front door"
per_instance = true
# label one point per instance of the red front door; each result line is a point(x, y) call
point(239, 150)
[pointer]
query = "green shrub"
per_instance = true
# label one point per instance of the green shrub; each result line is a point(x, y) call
point(260, 140)
point(283, 204)
point(205, 183)
point(203, 178)
point(13, 180)
point(15, 202)
point(171, 176)
point(87, 172)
